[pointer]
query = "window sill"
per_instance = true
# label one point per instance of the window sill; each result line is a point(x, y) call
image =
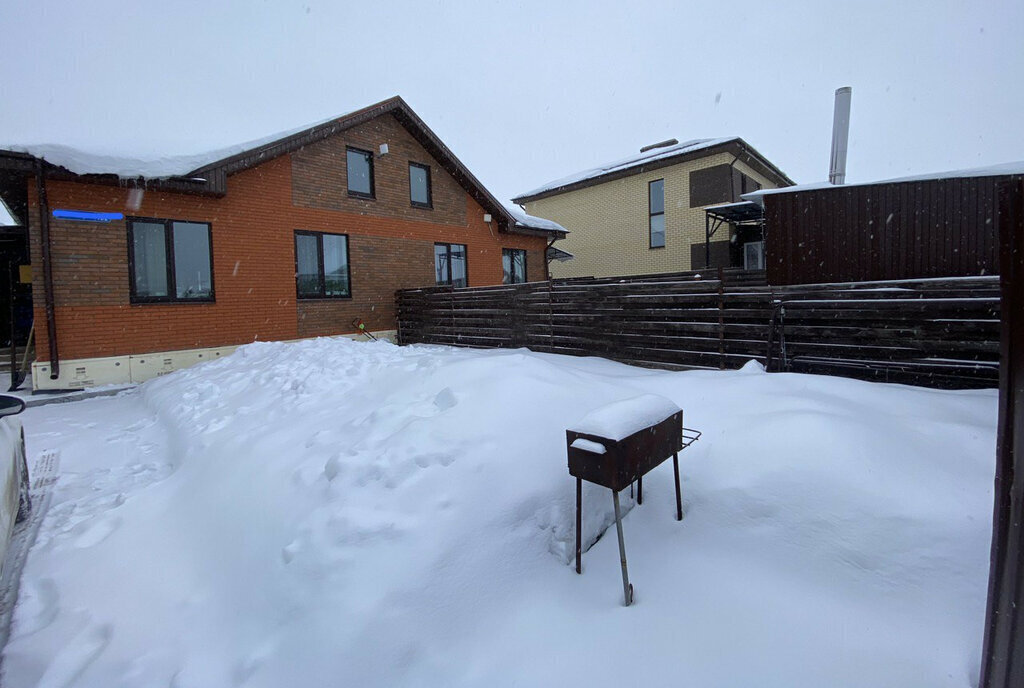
point(422, 206)
point(362, 196)
point(171, 302)
point(324, 298)
point(655, 248)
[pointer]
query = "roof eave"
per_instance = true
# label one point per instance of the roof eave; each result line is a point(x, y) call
point(28, 165)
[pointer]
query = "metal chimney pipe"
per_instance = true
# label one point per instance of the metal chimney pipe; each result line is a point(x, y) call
point(840, 136)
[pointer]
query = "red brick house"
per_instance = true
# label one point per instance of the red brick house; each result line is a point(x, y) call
point(295, 237)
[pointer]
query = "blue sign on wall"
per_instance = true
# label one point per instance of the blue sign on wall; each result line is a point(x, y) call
point(86, 216)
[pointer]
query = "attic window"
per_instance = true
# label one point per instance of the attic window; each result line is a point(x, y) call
point(419, 185)
point(360, 173)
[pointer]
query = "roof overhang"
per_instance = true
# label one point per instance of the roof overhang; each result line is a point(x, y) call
point(558, 254)
point(739, 213)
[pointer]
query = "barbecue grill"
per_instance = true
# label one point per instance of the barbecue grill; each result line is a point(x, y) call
point(614, 446)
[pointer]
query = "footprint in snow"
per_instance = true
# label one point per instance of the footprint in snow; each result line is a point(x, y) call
point(75, 657)
point(38, 605)
point(97, 532)
point(434, 459)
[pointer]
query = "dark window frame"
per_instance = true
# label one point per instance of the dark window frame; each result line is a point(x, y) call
point(651, 215)
point(321, 277)
point(429, 205)
point(465, 252)
point(172, 287)
point(511, 252)
point(348, 184)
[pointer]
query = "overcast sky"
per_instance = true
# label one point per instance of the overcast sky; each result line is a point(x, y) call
point(526, 92)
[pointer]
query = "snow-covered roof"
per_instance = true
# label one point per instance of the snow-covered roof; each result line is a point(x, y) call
point(210, 168)
point(1000, 170)
point(532, 222)
point(632, 161)
point(6, 216)
point(152, 164)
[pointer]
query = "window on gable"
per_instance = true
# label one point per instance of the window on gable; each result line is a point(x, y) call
point(450, 264)
point(170, 261)
point(360, 173)
point(656, 212)
point(419, 186)
point(321, 266)
point(513, 265)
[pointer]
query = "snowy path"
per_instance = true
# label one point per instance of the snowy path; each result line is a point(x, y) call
point(43, 476)
point(89, 458)
point(337, 513)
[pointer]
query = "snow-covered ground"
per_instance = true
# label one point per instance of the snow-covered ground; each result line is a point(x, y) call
point(334, 513)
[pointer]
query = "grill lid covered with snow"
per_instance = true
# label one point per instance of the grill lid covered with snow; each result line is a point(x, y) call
point(618, 420)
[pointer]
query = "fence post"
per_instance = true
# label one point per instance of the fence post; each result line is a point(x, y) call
point(515, 306)
point(721, 319)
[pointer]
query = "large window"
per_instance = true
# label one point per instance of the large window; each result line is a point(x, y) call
point(419, 185)
point(360, 173)
point(321, 266)
point(513, 265)
point(656, 207)
point(450, 264)
point(170, 261)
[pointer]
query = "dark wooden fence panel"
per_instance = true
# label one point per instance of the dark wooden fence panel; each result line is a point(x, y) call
point(884, 231)
point(936, 332)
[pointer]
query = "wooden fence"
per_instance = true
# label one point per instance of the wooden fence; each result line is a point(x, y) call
point(934, 332)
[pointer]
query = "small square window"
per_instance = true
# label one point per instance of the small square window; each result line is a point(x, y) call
point(450, 264)
point(419, 185)
point(170, 261)
point(321, 266)
point(360, 173)
point(513, 265)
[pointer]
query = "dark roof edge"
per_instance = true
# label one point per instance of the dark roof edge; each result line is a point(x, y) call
point(738, 147)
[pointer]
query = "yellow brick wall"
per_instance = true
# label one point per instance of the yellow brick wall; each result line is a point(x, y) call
point(608, 222)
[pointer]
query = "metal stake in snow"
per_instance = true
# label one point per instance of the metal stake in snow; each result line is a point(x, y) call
point(361, 326)
point(627, 589)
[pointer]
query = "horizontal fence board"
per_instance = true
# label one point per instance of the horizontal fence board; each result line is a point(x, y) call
point(936, 332)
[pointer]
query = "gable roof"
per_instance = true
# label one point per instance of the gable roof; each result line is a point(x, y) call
point(654, 159)
point(206, 173)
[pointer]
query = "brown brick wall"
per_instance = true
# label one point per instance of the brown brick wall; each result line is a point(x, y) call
point(319, 175)
point(253, 266)
point(379, 266)
point(536, 266)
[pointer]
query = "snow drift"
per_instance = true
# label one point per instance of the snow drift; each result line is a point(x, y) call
point(342, 513)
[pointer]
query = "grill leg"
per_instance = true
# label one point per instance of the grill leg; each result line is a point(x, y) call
point(679, 496)
point(640, 490)
point(579, 524)
point(627, 589)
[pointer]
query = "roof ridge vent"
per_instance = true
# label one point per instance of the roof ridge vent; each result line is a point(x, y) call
point(660, 144)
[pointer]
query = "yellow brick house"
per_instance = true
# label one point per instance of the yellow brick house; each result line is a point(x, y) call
point(645, 214)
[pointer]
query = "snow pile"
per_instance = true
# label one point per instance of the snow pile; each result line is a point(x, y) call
point(339, 513)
